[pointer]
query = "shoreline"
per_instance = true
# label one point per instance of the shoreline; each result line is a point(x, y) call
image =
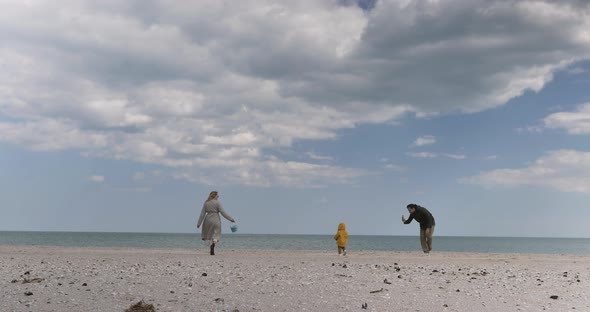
point(303, 242)
point(204, 248)
point(183, 279)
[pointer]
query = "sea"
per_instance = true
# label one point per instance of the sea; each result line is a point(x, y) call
point(577, 246)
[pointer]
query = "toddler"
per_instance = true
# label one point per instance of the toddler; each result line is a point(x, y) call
point(341, 237)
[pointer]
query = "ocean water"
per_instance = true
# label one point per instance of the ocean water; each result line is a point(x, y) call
point(300, 242)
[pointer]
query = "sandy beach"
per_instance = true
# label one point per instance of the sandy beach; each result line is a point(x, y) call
point(35, 278)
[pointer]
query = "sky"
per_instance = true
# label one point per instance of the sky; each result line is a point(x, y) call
point(121, 116)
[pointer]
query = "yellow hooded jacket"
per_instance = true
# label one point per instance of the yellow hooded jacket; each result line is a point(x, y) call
point(341, 236)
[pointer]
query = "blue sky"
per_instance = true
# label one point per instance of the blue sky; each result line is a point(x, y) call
point(122, 117)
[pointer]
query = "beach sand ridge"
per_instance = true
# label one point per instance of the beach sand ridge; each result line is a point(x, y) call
point(39, 278)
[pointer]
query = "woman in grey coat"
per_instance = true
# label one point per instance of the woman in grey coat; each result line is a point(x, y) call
point(212, 225)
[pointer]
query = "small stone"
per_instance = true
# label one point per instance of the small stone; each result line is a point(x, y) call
point(345, 266)
point(458, 290)
point(204, 274)
point(445, 305)
point(28, 293)
point(141, 306)
point(554, 297)
point(84, 284)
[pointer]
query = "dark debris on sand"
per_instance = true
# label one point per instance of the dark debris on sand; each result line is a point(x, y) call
point(141, 307)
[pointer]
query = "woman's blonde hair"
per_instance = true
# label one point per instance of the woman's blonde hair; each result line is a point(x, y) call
point(212, 195)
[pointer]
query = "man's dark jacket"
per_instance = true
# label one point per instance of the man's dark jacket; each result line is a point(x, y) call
point(423, 216)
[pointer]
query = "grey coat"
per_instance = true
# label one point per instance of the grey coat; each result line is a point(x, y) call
point(212, 225)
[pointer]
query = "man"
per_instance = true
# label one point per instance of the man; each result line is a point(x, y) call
point(426, 220)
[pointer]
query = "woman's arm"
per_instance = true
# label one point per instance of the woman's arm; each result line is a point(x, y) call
point(223, 213)
point(201, 217)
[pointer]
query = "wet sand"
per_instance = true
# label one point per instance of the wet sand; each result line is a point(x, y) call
point(35, 278)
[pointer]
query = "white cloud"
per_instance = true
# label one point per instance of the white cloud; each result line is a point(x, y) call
point(394, 167)
point(141, 189)
point(576, 71)
point(138, 176)
point(270, 173)
point(116, 113)
point(96, 178)
point(563, 170)
point(530, 129)
point(218, 93)
point(424, 140)
point(435, 155)
point(577, 122)
point(454, 156)
point(423, 155)
point(323, 201)
point(319, 157)
point(44, 134)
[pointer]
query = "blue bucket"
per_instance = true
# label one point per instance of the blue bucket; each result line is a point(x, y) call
point(234, 228)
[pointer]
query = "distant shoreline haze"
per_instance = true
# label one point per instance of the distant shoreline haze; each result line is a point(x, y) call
point(228, 232)
point(541, 245)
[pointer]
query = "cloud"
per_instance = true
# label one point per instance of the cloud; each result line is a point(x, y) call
point(577, 122)
point(423, 155)
point(318, 157)
point(424, 140)
point(576, 71)
point(394, 167)
point(141, 189)
point(454, 156)
point(138, 176)
point(43, 134)
point(271, 172)
point(219, 93)
point(435, 155)
point(530, 129)
point(462, 52)
point(96, 178)
point(563, 170)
